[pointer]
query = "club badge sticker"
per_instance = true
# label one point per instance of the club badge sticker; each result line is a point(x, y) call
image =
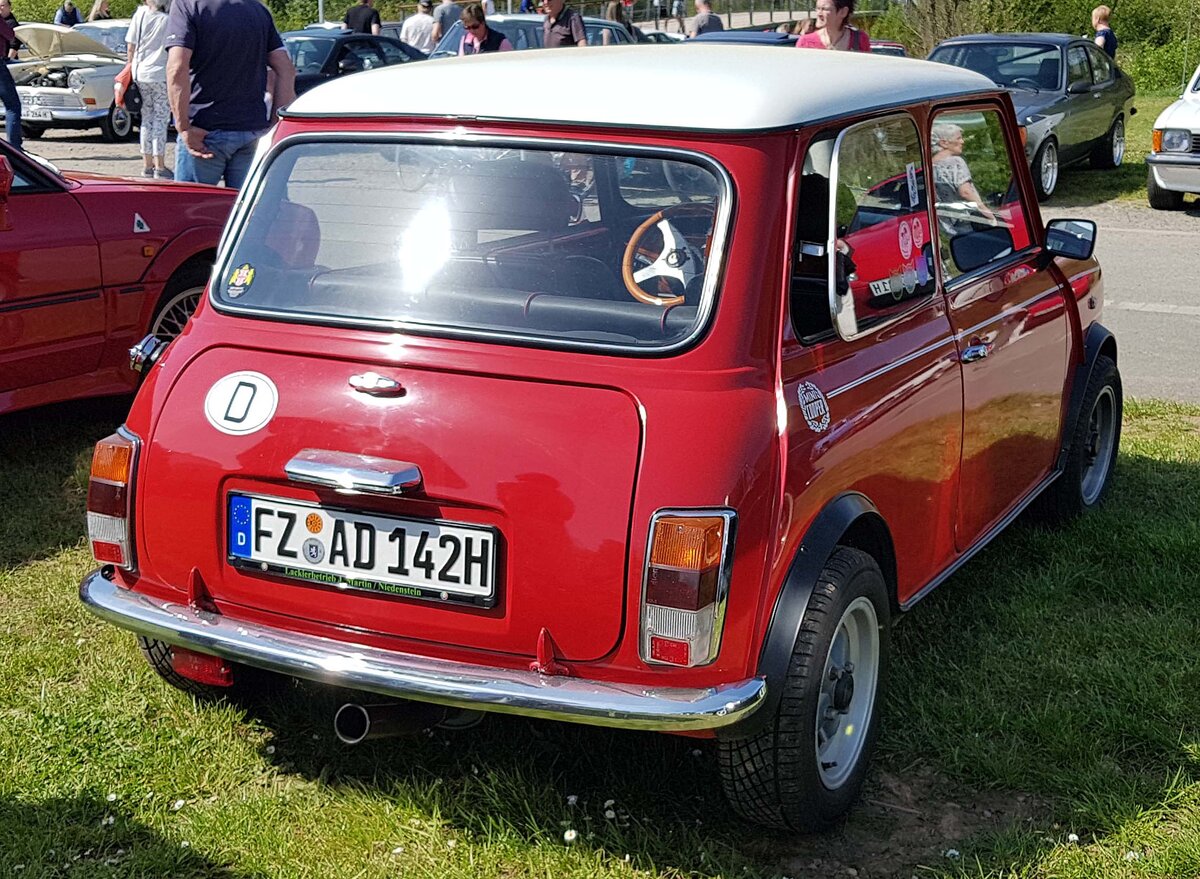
point(814, 406)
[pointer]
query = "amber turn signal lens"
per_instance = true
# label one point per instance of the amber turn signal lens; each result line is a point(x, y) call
point(1156, 140)
point(691, 544)
point(111, 459)
point(1024, 136)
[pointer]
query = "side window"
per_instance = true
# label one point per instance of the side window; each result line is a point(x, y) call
point(1079, 72)
point(1102, 69)
point(392, 54)
point(877, 259)
point(977, 204)
point(362, 55)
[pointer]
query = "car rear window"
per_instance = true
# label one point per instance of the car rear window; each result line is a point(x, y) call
point(562, 248)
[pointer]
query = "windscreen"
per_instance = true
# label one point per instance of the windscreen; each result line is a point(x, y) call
point(571, 248)
point(1013, 65)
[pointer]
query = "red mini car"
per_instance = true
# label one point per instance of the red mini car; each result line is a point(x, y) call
point(88, 265)
point(645, 416)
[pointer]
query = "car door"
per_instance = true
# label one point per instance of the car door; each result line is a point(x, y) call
point(1108, 97)
point(1075, 130)
point(1009, 318)
point(869, 366)
point(52, 315)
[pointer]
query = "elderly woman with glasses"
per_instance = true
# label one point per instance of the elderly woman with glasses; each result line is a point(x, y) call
point(479, 38)
point(833, 29)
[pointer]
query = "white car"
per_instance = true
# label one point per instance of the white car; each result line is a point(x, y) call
point(1174, 162)
point(67, 82)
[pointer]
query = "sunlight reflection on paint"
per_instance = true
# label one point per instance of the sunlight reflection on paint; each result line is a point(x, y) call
point(849, 729)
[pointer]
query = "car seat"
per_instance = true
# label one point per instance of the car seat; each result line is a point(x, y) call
point(294, 236)
point(1047, 77)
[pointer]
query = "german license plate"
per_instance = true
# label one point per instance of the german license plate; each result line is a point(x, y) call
point(35, 113)
point(413, 558)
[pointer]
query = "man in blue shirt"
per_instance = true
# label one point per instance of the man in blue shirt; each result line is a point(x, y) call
point(218, 54)
point(67, 15)
point(1105, 38)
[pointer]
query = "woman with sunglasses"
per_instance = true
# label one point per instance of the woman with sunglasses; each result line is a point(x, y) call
point(479, 38)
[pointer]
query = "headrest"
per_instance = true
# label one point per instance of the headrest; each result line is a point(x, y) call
point(509, 194)
point(295, 235)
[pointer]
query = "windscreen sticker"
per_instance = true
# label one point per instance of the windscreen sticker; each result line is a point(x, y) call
point(240, 280)
point(914, 195)
point(814, 406)
point(241, 403)
point(904, 237)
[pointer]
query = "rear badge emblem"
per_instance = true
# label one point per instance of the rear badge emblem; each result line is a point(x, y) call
point(241, 403)
point(814, 406)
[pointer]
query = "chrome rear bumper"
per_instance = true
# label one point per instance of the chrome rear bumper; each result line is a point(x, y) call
point(422, 678)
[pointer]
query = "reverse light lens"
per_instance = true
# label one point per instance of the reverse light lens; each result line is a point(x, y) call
point(685, 586)
point(109, 500)
point(1174, 140)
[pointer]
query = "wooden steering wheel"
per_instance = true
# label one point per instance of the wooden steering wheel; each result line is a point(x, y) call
point(677, 259)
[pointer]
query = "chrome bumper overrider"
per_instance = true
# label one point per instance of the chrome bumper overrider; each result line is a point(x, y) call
point(407, 676)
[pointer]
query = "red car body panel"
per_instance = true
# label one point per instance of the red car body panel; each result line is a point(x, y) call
point(719, 424)
point(79, 284)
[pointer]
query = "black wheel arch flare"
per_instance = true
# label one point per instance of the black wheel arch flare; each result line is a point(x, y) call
point(1097, 340)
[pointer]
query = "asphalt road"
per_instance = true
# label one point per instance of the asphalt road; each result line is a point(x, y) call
point(1150, 259)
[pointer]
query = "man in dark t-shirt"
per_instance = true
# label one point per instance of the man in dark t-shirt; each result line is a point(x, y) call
point(363, 18)
point(218, 54)
point(563, 26)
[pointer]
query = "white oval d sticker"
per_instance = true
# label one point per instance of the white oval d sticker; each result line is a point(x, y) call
point(241, 403)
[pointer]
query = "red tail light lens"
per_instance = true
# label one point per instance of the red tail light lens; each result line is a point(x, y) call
point(109, 505)
point(686, 582)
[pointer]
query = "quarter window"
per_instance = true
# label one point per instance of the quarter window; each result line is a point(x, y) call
point(977, 205)
point(1102, 69)
point(392, 54)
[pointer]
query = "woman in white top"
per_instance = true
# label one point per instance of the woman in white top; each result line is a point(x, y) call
point(146, 40)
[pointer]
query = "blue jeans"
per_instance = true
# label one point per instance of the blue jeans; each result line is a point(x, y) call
point(232, 152)
point(12, 106)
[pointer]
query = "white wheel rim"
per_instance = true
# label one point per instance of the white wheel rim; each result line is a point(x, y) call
point(174, 315)
point(1049, 169)
point(1118, 144)
point(122, 122)
point(847, 698)
point(1098, 445)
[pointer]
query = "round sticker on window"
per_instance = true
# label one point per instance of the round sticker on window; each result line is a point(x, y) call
point(241, 403)
point(904, 236)
point(918, 233)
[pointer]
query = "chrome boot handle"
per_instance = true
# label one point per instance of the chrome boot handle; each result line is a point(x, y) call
point(350, 473)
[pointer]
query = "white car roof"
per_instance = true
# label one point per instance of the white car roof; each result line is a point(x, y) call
point(714, 87)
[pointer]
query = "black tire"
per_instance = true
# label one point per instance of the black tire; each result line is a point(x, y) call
point(776, 778)
point(117, 126)
point(1109, 152)
point(1093, 450)
point(32, 132)
point(1162, 199)
point(179, 300)
point(1044, 180)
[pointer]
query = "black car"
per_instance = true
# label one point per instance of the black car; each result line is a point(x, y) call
point(321, 53)
point(1071, 98)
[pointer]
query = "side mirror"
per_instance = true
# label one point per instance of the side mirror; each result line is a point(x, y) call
point(1078, 88)
point(978, 247)
point(6, 182)
point(1072, 239)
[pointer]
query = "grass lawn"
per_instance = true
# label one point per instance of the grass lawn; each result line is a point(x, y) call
point(1080, 186)
point(1050, 688)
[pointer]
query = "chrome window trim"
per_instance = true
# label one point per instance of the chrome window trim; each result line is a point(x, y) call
point(714, 271)
point(831, 242)
point(728, 535)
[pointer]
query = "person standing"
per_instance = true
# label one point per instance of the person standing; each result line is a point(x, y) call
point(218, 55)
point(6, 14)
point(67, 15)
point(1105, 38)
point(8, 88)
point(363, 18)
point(146, 48)
point(677, 9)
point(99, 11)
point(705, 22)
point(444, 17)
point(478, 38)
point(417, 30)
point(563, 26)
point(833, 29)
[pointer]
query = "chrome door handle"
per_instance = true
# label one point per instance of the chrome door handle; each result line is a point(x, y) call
point(352, 473)
point(973, 353)
point(376, 385)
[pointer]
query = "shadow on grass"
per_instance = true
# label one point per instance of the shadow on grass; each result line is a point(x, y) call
point(72, 837)
point(47, 453)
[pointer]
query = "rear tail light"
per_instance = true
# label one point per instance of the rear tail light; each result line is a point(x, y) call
point(686, 583)
point(201, 667)
point(110, 500)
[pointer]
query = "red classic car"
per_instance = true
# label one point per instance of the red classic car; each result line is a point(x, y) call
point(88, 265)
point(644, 416)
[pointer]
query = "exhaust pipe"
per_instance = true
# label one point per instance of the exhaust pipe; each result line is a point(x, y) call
point(353, 723)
